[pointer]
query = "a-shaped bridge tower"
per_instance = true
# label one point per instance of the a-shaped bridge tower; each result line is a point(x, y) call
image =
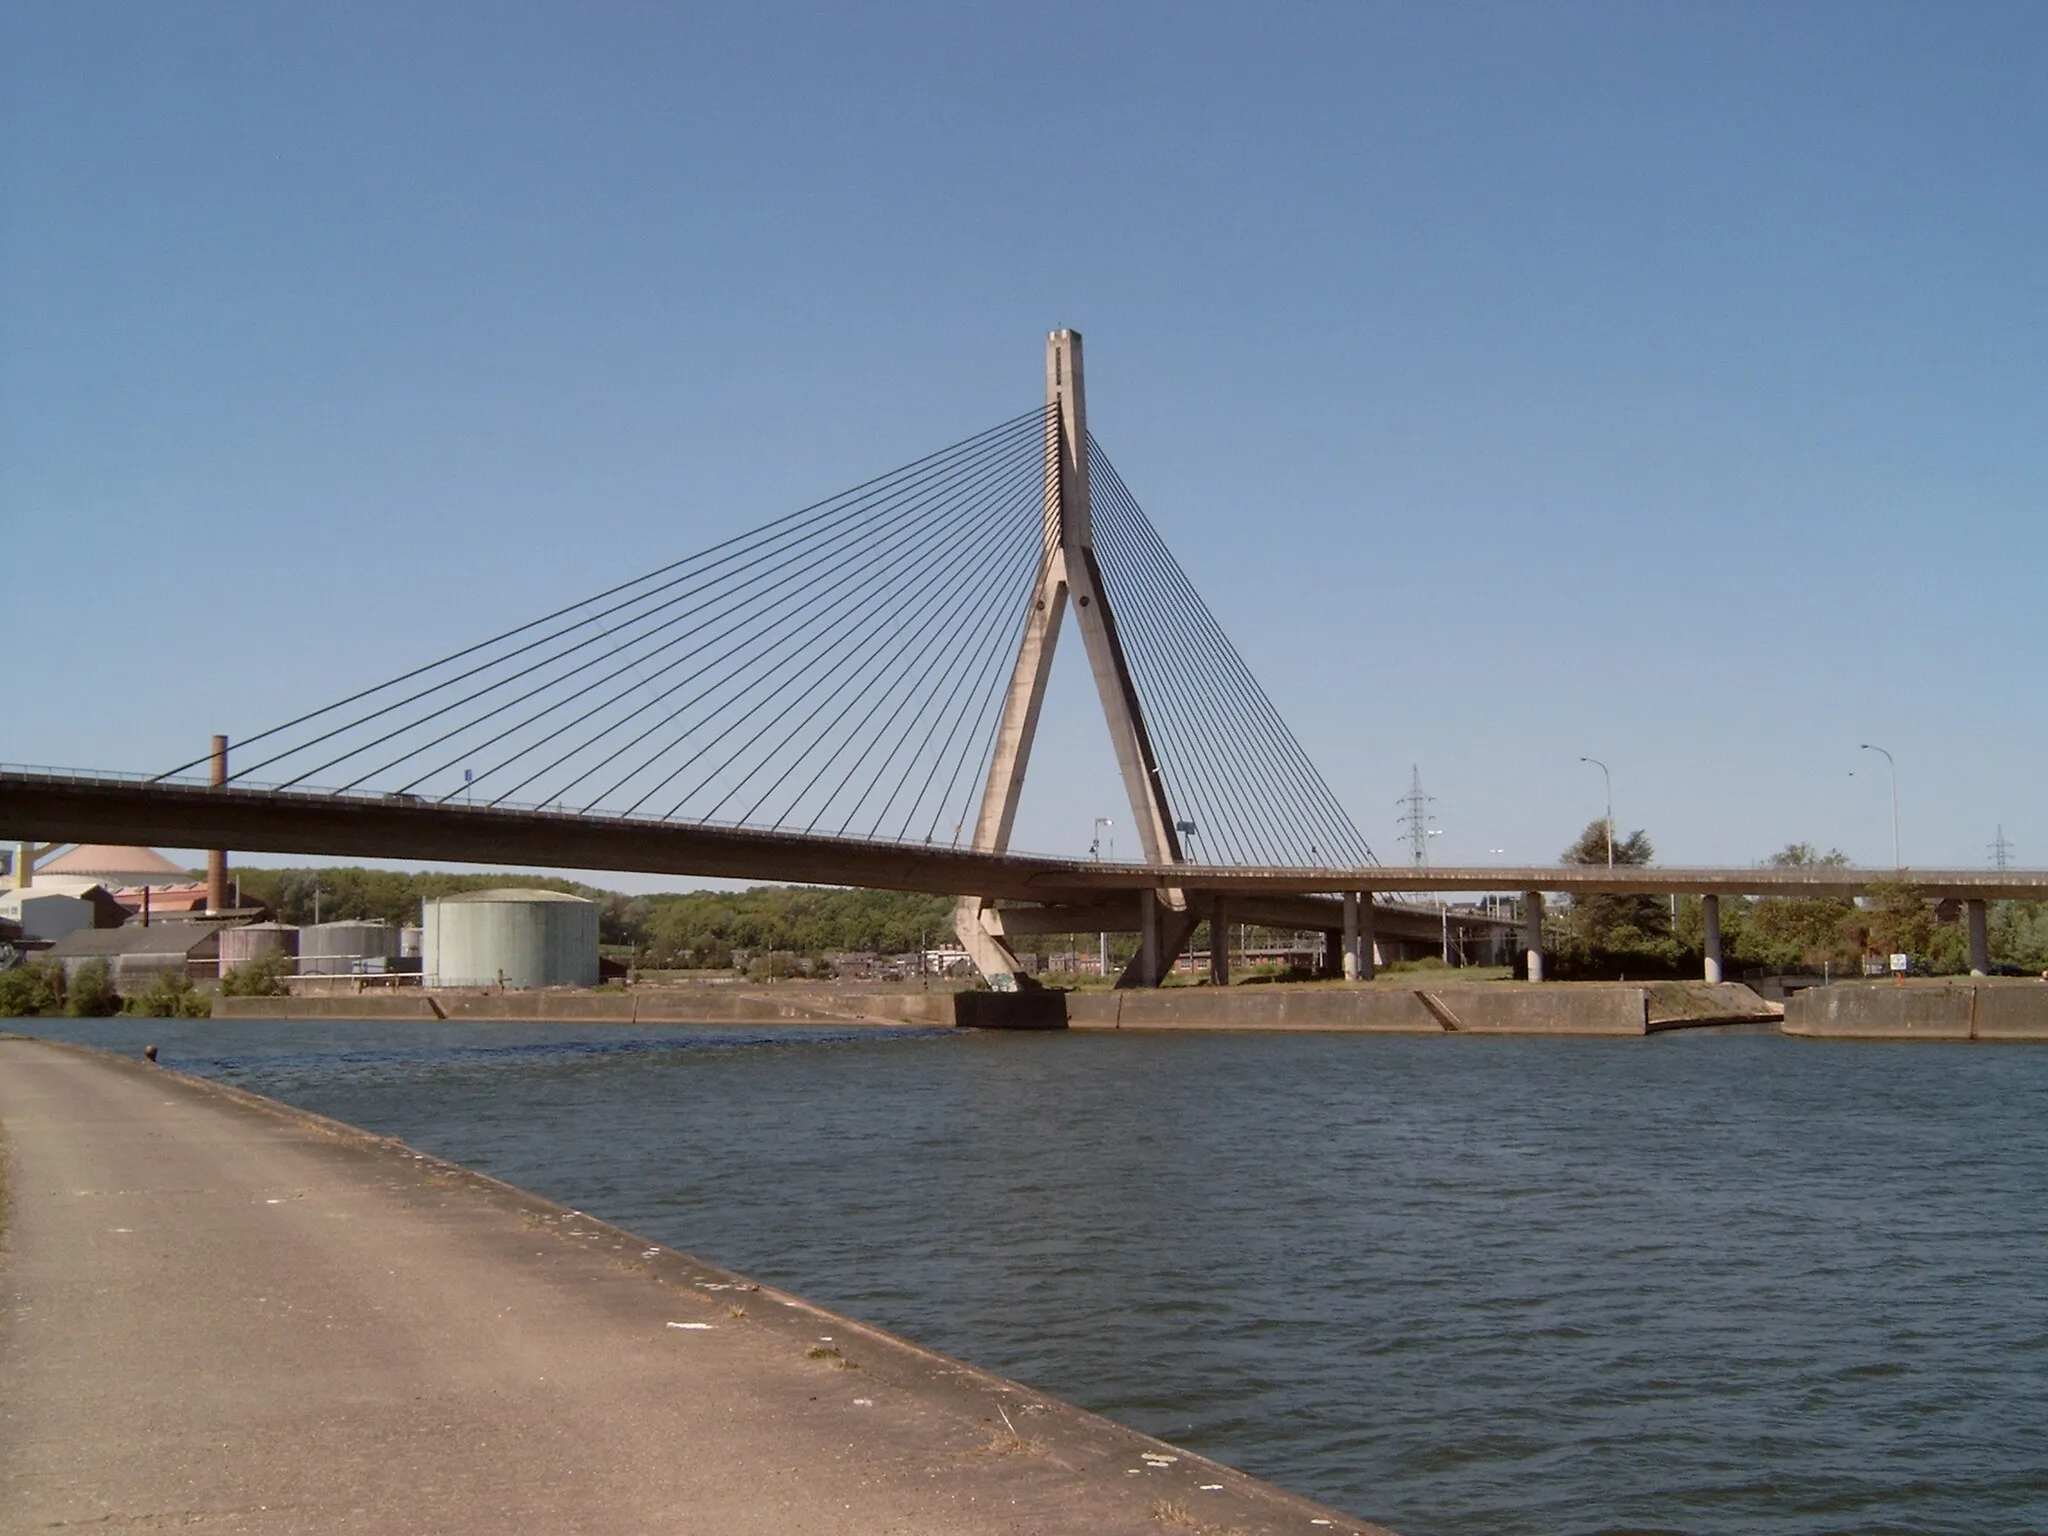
point(1068, 573)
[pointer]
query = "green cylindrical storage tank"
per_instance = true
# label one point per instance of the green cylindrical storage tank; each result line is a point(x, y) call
point(510, 938)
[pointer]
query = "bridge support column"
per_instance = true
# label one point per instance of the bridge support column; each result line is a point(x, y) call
point(1368, 944)
point(1532, 932)
point(1710, 912)
point(1163, 932)
point(990, 951)
point(1980, 938)
point(1351, 966)
point(1219, 942)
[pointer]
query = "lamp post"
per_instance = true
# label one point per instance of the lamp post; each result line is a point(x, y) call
point(1897, 862)
point(1610, 805)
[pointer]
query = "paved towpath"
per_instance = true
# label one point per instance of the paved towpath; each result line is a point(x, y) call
point(224, 1315)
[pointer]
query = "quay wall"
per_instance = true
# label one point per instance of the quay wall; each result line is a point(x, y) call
point(1960, 1010)
point(1494, 1008)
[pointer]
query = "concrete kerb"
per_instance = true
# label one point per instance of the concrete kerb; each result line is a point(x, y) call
point(1015, 1417)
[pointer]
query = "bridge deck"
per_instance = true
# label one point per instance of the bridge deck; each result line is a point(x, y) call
point(65, 808)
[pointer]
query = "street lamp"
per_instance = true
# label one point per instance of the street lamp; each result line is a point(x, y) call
point(1897, 862)
point(1095, 852)
point(1610, 805)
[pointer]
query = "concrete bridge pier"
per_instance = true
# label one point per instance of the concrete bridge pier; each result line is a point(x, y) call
point(1710, 912)
point(1351, 965)
point(1368, 942)
point(1219, 942)
point(1980, 938)
point(1532, 932)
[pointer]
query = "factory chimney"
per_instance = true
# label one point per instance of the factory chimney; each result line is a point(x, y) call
point(217, 858)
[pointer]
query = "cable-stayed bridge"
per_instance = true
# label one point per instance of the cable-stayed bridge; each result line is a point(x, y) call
point(849, 695)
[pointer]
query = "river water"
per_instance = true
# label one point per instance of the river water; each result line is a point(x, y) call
point(1717, 1282)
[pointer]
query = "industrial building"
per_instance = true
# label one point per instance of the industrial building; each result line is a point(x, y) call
point(510, 939)
point(136, 955)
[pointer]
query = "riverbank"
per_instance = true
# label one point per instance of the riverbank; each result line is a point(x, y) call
point(1391, 1006)
point(224, 1309)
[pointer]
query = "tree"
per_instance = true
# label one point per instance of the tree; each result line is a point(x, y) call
point(31, 988)
point(1898, 922)
point(1598, 920)
point(2019, 934)
point(171, 995)
point(1781, 931)
point(90, 993)
point(261, 977)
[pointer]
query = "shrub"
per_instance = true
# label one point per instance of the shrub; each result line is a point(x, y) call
point(171, 996)
point(262, 977)
point(32, 988)
point(90, 993)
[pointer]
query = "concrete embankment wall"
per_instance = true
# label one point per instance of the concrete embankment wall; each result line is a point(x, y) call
point(653, 1006)
point(1955, 1011)
point(1494, 1008)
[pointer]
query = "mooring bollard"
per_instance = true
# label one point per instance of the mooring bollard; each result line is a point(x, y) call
point(149, 1051)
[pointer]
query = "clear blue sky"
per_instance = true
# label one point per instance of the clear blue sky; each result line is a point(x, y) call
point(1662, 383)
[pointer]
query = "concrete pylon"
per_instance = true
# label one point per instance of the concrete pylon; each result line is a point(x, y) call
point(1068, 571)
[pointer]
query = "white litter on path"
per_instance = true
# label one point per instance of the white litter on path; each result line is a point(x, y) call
point(693, 1327)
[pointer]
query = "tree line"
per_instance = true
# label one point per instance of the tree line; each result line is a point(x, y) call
point(679, 929)
point(1653, 936)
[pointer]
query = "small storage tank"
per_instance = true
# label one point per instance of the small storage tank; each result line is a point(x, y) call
point(346, 948)
point(409, 941)
point(510, 938)
point(256, 941)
